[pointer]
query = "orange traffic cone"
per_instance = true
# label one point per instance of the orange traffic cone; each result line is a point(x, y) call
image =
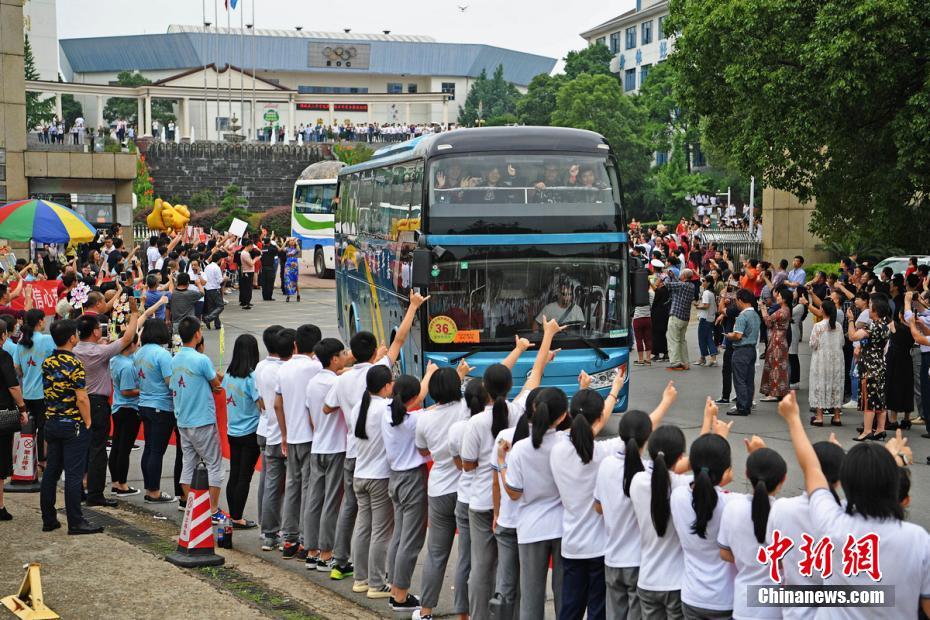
point(25, 477)
point(195, 544)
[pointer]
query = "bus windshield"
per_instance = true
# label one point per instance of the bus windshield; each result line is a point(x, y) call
point(317, 198)
point(492, 293)
point(522, 179)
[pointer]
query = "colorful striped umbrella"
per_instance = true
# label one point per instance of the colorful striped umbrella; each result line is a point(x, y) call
point(44, 222)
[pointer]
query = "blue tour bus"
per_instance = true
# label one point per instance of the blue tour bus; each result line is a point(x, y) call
point(500, 226)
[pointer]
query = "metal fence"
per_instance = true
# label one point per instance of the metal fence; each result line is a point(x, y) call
point(738, 242)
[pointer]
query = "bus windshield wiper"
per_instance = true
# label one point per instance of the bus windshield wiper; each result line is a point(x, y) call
point(455, 360)
point(600, 352)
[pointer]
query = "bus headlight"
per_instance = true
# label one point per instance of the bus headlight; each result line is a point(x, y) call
point(603, 379)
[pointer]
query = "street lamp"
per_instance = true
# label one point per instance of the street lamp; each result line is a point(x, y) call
point(249, 27)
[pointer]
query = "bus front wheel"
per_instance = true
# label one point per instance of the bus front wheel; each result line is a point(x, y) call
point(319, 265)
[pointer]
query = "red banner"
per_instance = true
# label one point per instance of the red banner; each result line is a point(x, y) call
point(44, 296)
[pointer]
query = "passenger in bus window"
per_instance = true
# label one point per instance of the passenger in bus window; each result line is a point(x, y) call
point(563, 309)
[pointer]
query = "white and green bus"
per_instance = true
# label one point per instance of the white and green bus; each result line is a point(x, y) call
point(313, 214)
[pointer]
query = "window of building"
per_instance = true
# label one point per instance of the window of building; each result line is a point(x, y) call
point(631, 37)
point(697, 156)
point(615, 42)
point(662, 27)
point(222, 123)
point(449, 87)
point(600, 41)
point(647, 32)
point(629, 80)
point(395, 88)
point(411, 88)
point(643, 73)
point(661, 158)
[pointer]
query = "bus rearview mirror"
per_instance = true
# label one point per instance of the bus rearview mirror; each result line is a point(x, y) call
point(640, 285)
point(422, 266)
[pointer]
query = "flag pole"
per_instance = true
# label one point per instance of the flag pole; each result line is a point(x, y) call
point(203, 48)
point(216, 20)
point(254, 116)
point(241, 64)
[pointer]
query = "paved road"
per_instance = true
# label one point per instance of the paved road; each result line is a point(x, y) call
point(318, 307)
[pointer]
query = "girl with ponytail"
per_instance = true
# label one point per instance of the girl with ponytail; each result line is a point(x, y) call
point(707, 586)
point(444, 386)
point(612, 499)
point(574, 466)
point(526, 474)
point(406, 488)
point(479, 455)
point(792, 517)
point(744, 527)
point(661, 558)
point(32, 349)
point(375, 521)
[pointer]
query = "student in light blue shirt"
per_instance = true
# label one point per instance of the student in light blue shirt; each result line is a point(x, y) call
point(193, 381)
point(125, 418)
point(8, 345)
point(243, 410)
point(152, 364)
point(33, 348)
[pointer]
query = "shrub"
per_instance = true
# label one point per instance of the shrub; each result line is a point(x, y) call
point(351, 154)
point(205, 218)
point(277, 220)
point(827, 268)
point(204, 199)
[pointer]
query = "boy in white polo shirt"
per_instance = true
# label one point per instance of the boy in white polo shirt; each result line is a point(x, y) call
point(274, 459)
point(291, 402)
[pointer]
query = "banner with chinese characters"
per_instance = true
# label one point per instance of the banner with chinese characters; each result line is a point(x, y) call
point(44, 296)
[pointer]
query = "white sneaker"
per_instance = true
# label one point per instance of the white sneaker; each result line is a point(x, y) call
point(851, 405)
point(795, 386)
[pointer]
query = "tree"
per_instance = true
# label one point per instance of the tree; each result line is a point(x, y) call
point(489, 99)
point(593, 60)
point(817, 100)
point(231, 206)
point(352, 153)
point(121, 108)
point(536, 106)
point(38, 110)
point(597, 103)
point(671, 182)
point(666, 118)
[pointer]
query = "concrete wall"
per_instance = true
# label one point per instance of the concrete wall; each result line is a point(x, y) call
point(12, 101)
point(265, 174)
point(786, 227)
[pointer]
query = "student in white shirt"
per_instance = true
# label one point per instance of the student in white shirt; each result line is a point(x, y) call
point(432, 440)
point(574, 465)
point(658, 584)
point(791, 516)
point(327, 457)
point(261, 433)
point(345, 394)
point(297, 433)
point(871, 481)
point(527, 476)
point(743, 528)
point(274, 454)
point(707, 587)
point(707, 312)
point(406, 488)
point(375, 522)
point(478, 454)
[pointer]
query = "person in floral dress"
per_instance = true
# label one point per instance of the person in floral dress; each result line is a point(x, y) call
point(775, 371)
point(872, 365)
point(291, 270)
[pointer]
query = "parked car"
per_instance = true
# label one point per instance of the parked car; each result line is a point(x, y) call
point(899, 263)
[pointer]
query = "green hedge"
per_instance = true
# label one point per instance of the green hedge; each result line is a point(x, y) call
point(827, 268)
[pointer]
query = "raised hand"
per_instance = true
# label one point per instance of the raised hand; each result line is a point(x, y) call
point(522, 343)
point(417, 300)
point(753, 444)
point(788, 407)
point(552, 355)
point(719, 427)
point(463, 369)
point(382, 351)
point(584, 380)
point(899, 449)
point(552, 327)
point(670, 393)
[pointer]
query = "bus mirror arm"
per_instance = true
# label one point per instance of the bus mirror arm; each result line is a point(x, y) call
point(422, 266)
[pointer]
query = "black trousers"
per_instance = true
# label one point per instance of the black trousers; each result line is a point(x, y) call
point(267, 279)
point(67, 452)
point(126, 423)
point(97, 450)
point(37, 411)
point(243, 455)
point(245, 288)
point(727, 371)
point(794, 368)
point(583, 589)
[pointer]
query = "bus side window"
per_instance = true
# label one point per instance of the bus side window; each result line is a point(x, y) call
point(416, 193)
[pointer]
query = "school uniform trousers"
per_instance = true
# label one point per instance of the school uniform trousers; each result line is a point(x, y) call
point(126, 423)
point(440, 537)
point(276, 466)
point(534, 564)
point(665, 605)
point(622, 599)
point(296, 489)
point(345, 523)
point(243, 454)
point(373, 528)
point(325, 494)
point(507, 595)
point(407, 490)
point(483, 574)
point(583, 589)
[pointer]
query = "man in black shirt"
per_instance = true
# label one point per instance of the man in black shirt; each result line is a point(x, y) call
point(728, 318)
